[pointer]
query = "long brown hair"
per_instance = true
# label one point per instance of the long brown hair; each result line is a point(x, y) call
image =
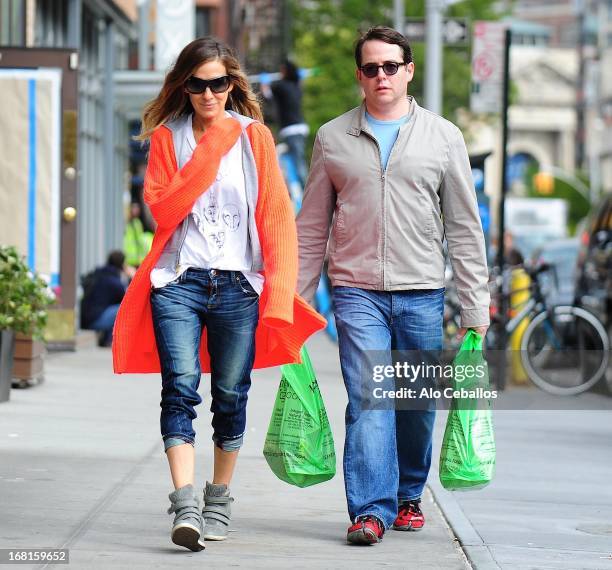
point(172, 101)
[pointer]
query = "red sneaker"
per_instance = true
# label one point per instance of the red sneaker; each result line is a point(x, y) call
point(366, 530)
point(409, 516)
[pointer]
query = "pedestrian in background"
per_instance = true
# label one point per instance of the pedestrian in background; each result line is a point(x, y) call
point(136, 241)
point(287, 94)
point(395, 179)
point(103, 292)
point(217, 292)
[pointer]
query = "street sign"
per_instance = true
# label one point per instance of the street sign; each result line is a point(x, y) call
point(174, 28)
point(487, 67)
point(455, 31)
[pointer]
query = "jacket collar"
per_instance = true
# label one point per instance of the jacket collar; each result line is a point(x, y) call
point(359, 122)
point(177, 124)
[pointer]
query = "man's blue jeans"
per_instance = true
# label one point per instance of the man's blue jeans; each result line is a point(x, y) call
point(225, 303)
point(387, 453)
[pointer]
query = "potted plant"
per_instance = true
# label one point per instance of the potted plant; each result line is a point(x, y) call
point(24, 299)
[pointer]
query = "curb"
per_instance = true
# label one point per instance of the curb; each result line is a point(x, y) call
point(476, 551)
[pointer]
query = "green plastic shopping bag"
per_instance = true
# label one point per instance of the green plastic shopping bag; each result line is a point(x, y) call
point(299, 446)
point(467, 457)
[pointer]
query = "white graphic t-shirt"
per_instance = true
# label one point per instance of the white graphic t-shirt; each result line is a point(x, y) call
point(217, 235)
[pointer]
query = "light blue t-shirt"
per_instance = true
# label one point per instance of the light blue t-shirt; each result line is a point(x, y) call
point(386, 134)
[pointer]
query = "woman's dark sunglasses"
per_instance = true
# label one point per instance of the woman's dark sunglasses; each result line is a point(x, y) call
point(370, 70)
point(195, 85)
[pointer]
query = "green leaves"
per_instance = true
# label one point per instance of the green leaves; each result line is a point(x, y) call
point(325, 32)
point(24, 297)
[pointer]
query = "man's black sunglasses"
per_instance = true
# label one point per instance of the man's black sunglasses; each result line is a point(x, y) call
point(195, 85)
point(370, 70)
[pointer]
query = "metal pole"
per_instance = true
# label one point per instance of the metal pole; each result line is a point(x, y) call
point(74, 23)
point(580, 95)
point(595, 162)
point(144, 52)
point(433, 55)
point(399, 20)
point(503, 303)
point(112, 215)
point(504, 145)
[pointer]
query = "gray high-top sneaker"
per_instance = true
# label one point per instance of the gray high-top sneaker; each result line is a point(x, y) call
point(187, 526)
point(217, 511)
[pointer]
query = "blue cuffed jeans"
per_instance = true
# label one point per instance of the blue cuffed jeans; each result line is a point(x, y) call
point(225, 303)
point(387, 452)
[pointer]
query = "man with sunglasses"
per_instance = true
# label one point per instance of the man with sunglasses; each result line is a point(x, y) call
point(391, 180)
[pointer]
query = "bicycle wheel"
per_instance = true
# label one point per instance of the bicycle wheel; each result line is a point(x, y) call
point(565, 350)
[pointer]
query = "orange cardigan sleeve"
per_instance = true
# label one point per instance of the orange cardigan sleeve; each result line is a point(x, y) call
point(170, 193)
point(277, 230)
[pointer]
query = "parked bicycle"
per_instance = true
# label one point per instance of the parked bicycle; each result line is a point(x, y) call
point(565, 349)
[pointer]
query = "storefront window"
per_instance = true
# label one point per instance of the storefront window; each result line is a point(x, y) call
point(12, 22)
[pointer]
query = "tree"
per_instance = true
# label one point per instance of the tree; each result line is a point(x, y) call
point(578, 205)
point(325, 32)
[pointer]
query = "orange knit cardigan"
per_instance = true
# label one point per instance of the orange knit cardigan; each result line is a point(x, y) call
point(285, 319)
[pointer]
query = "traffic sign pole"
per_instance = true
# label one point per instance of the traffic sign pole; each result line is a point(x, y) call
point(398, 15)
point(433, 56)
point(503, 301)
point(504, 148)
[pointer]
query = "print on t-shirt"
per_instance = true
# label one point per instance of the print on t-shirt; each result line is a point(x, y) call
point(231, 216)
point(219, 239)
point(211, 211)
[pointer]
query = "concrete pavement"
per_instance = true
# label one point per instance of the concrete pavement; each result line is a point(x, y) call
point(550, 503)
point(82, 467)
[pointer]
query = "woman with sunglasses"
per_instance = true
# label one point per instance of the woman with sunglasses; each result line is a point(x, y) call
point(217, 291)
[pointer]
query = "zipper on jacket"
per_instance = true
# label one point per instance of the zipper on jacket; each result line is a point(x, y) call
point(248, 205)
point(384, 209)
point(244, 139)
point(184, 229)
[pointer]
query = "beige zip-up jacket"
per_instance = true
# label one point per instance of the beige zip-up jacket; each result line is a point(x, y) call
point(388, 226)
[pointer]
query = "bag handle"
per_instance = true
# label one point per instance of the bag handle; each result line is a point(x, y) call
point(472, 341)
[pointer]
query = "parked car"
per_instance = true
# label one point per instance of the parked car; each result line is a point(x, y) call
point(559, 284)
point(594, 269)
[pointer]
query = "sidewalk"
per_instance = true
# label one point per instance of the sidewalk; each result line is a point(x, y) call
point(82, 467)
point(549, 505)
